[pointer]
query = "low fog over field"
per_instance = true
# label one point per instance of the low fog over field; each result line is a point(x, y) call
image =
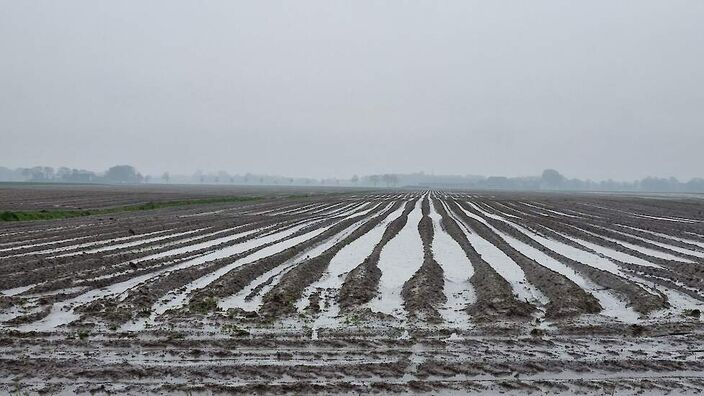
point(324, 89)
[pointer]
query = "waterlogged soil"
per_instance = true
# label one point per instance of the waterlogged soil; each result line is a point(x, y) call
point(423, 294)
point(220, 298)
point(227, 360)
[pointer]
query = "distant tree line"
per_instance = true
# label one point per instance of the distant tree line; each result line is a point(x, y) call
point(550, 180)
point(125, 174)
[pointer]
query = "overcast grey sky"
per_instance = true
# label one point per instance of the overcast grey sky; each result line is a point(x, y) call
point(596, 89)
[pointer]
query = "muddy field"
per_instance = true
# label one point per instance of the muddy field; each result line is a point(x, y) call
point(331, 292)
point(25, 196)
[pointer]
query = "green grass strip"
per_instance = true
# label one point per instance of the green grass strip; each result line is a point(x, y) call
point(65, 214)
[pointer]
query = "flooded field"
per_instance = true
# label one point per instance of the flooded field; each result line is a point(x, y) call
point(349, 292)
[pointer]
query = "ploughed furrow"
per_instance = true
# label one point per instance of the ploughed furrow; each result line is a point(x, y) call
point(102, 237)
point(566, 297)
point(326, 210)
point(216, 260)
point(545, 209)
point(6, 248)
point(398, 262)
point(260, 223)
point(35, 237)
point(618, 303)
point(494, 295)
point(305, 209)
point(457, 271)
point(97, 237)
point(281, 299)
point(423, 293)
point(677, 230)
point(276, 207)
point(211, 250)
point(78, 233)
point(104, 232)
point(94, 270)
point(202, 245)
point(237, 279)
point(66, 271)
point(664, 254)
point(112, 248)
point(686, 242)
point(140, 300)
point(670, 294)
point(251, 298)
point(604, 229)
point(116, 284)
point(687, 278)
point(686, 213)
point(601, 244)
point(555, 230)
point(320, 299)
point(85, 303)
point(677, 284)
point(176, 299)
point(505, 266)
point(540, 225)
point(675, 245)
point(640, 299)
point(362, 282)
point(316, 208)
point(34, 246)
point(104, 271)
point(275, 211)
point(264, 227)
point(281, 208)
point(126, 236)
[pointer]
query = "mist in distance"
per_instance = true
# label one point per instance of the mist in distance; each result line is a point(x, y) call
point(550, 180)
point(327, 90)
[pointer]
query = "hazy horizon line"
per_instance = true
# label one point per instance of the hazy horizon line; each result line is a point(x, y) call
point(212, 173)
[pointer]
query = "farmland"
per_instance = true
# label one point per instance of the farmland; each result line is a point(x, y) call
point(351, 291)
